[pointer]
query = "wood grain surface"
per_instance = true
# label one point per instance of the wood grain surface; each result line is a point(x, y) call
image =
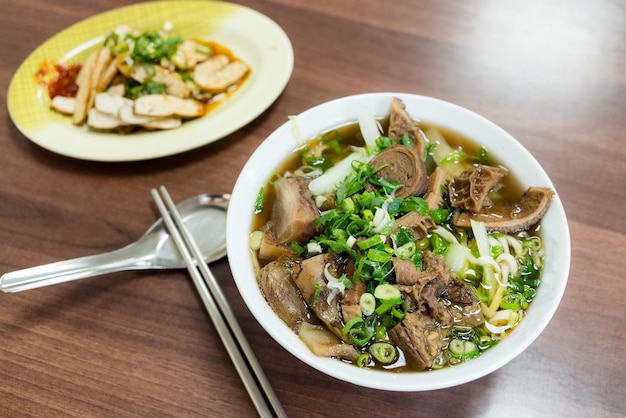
point(140, 344)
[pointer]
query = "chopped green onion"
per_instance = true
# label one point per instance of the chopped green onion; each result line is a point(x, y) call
point(383, 142)
point(440, 216)
point(297, 248)
point(406, 140)
point(439, 245)
point(378, 255)
point(483, 156)
point(462, 349)
point(399, 310)
point(359, 337)
point(356, 331)
point(386, 291)
point(404, 235)
point(367, 303)
point(203, 49)
point(364, 360)
point(388, 305)
point(351, 323)
point(384, 352)
point(370, 242)
point(313, 248)
point(381, 332)
point(316, 295)
point(260, 201)
point(321, 162)
point(406, 252)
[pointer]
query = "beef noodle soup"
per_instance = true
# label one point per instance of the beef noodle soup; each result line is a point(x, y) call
point(398, 245)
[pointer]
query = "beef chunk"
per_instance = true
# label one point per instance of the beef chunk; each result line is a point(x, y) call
point(281, 292)
point(420, 338)
point(436, 301)
point(311, 281)
point(294, 210)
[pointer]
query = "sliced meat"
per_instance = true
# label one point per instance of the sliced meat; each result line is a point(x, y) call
point(140, 72)
point(401, 123)
point(350, 307)
point(99, 120)
point(192, 55)
point(311, 281)
point(294, 210)
point(110, 103)
point(420, 338)
point(204, 71)
point(469, 191)
point(324, 343)
point(174, 84)
point(420, 225)
point(127, 115)
point(216, 74)
point(433, 194)
point(520, 216)
point(162, 105)
point(116, 89)
point(402, 164)
point(63, 104)
point(405, 271)
point(281, 292)
point(163, 123)
point(223, 78)
point(269, 249)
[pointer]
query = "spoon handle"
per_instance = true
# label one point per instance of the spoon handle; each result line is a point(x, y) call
point(68, 270)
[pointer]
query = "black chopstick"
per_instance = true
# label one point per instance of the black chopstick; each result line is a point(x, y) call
point(219, 310)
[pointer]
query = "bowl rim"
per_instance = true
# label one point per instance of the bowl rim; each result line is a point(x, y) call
point(325, 116)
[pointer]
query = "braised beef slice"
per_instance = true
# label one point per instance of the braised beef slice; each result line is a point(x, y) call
point(419, 224)
point(402, 164)
point(401, 123)
point(519, 216)
point(469, 191)
point(281, 292)
point(433, 193)
point(294, 210)
point(312, 283)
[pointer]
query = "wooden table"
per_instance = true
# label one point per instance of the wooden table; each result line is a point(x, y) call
point(140, 344)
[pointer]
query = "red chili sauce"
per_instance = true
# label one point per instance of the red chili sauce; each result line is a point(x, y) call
point(58, 78)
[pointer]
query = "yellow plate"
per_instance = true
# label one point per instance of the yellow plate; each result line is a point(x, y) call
point(251, 36)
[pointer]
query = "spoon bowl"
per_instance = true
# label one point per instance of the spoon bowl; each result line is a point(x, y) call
point(204, 216)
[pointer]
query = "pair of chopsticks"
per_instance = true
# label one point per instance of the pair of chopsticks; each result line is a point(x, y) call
point(240, 352)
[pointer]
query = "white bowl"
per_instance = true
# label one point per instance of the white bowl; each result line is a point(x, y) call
point(500, 144)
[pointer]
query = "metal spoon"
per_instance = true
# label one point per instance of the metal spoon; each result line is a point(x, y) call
point(203, 215)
